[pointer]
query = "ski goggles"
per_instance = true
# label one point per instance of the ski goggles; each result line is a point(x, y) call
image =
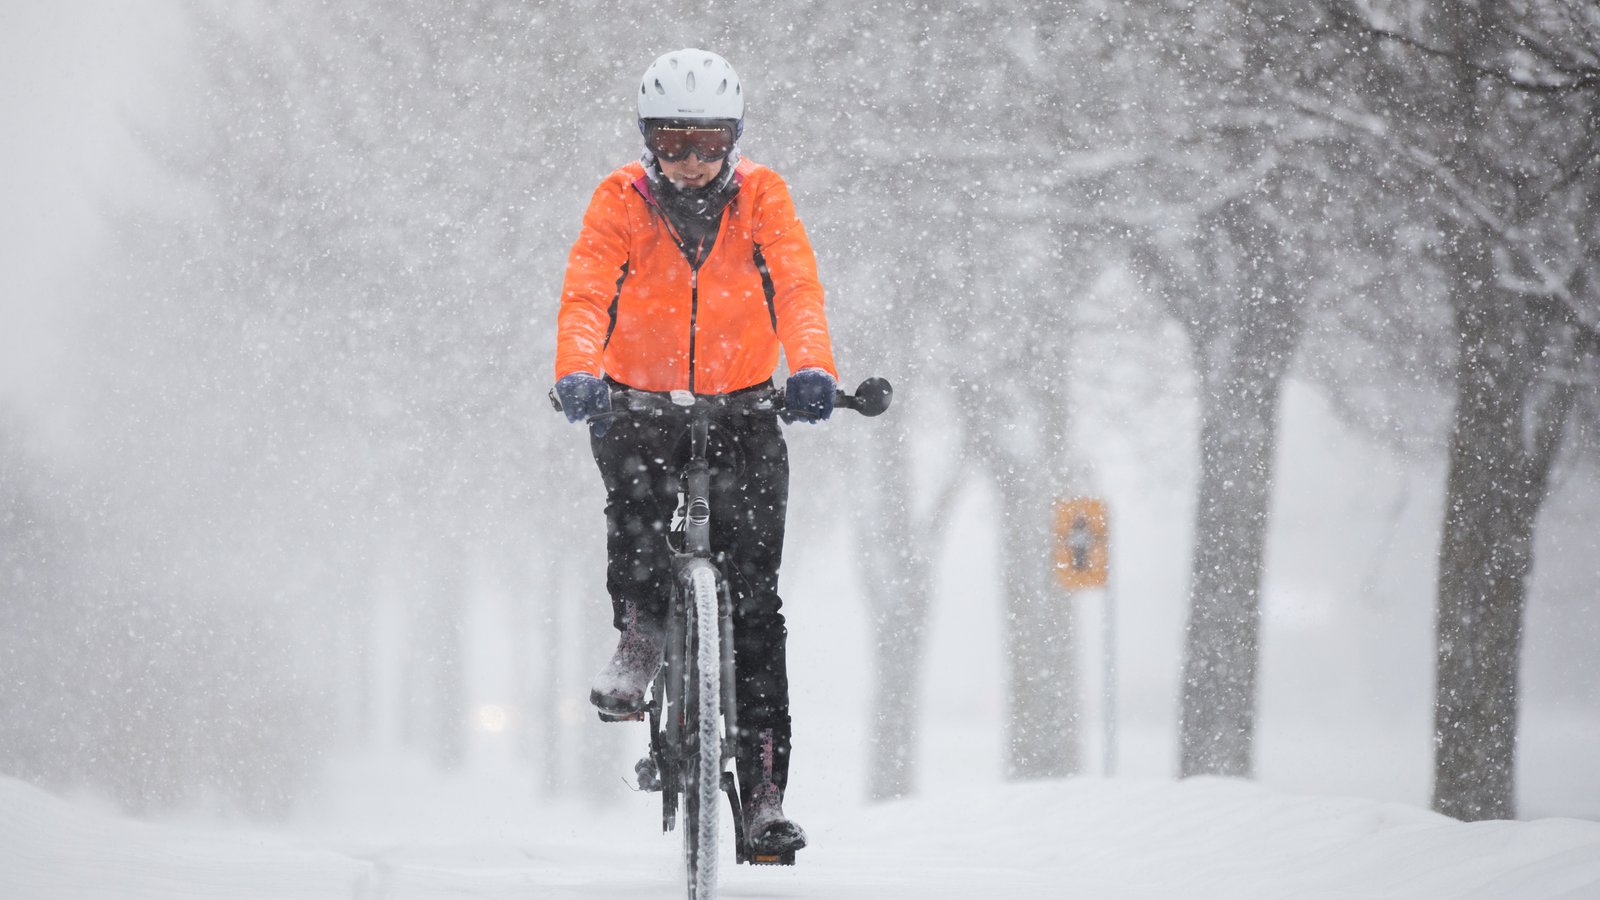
point(674, 143)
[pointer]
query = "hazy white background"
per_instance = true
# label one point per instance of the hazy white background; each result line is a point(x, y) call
point(1346, 681)
point(1348, 648)
point(71, 77)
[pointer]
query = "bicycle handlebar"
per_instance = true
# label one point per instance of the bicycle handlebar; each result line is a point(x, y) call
point(871, 398)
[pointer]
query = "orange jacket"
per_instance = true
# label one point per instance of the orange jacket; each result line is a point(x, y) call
point(633, 309)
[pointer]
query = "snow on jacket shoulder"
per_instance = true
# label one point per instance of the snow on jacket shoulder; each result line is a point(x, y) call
point(632, 308)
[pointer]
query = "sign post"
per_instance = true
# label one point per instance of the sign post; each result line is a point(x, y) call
point(1083, 562)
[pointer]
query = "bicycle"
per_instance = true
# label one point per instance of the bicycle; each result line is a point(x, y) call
point(691, 709)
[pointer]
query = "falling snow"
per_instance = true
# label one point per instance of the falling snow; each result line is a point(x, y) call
point(1305, 293)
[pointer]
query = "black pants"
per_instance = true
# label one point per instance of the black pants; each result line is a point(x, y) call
point(639, 461)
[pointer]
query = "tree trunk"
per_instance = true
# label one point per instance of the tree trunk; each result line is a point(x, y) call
point(438, 695)
point(1043, 680)
point(899, 582)
point(1500, 457)
point(1242, 360)
point(353, 687)
point(1020, 432)
point(1238, 433)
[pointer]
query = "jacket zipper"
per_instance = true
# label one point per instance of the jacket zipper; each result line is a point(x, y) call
point(696, 258)
point(694, 311)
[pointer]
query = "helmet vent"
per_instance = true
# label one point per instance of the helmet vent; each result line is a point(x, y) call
point(660, 89)
point(689, 81)
point(722, 88)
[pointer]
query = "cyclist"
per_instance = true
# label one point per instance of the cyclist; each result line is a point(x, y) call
point(689, 273)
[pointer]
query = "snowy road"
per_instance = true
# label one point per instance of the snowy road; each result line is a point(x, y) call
point(1109, 840)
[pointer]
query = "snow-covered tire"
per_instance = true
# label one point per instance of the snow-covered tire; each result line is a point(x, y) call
point(702, 773)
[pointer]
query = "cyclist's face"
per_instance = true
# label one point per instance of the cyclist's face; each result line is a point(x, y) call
point(690, 172)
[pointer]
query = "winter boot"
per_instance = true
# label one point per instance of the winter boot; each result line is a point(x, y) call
point(619, 688)
point(769, 830)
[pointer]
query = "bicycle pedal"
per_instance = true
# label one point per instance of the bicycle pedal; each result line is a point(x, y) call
point(637, 716)
point(772, 859)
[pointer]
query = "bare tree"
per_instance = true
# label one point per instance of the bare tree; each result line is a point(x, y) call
point(1243, 323)
point(1230, 229)
point(955, 328)
point(1482, 107)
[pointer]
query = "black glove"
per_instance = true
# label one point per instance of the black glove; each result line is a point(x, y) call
point(583, 395)
point(809, 395)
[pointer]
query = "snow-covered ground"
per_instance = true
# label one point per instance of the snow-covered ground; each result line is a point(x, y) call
point(1090, 838)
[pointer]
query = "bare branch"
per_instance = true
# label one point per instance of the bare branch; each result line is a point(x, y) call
point(1512, 244)
point(1374, 127)
point(1577, 79)
point(1557, 60)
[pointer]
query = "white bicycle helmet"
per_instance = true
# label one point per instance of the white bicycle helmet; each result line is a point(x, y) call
point(691, 84)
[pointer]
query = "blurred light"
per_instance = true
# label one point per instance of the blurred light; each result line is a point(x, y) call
point(492, 717)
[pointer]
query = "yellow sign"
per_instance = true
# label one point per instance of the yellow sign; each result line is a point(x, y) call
point(1082, 539)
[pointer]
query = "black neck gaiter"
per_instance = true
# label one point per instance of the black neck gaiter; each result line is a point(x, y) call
point(696, 213)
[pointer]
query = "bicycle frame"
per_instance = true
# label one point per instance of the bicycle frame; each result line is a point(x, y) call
point(668, 737)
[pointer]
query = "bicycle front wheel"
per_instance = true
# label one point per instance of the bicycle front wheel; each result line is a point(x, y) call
point(702, 769)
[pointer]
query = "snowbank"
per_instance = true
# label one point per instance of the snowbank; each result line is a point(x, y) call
point(1108, 840)
point(1209, 838)
point(52, 850)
